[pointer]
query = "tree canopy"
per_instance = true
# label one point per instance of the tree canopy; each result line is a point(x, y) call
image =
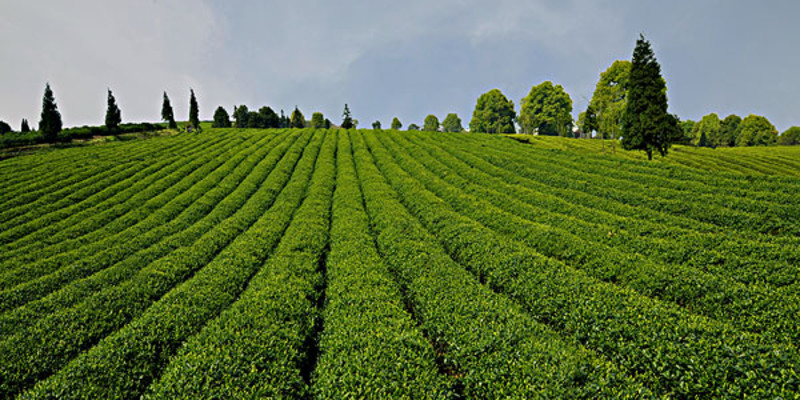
point(240, 116)
point(50, 123)
point(452, 123)
point(494, 113)
point(609, 98)
point(24, 127)
point(413, 127)
point(194, 119)
point(729, 129)
point(790, 137)
point(113, 113)
point(376, 125)
point(546, 110)
point(646, 124)
point(587, 121)
point(431, 123)
point(347, 121)
point(756, 130)
point(221, 118)
point(4, 127)
point(297, 120)
point(709, 128)
point(166, 112)
point(396, 124)
point(317, 120)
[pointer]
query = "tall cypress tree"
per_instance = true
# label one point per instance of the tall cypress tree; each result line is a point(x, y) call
point(24, 128)
point(113, 114)
point(347, 123)
point(194, 119)
point(646, 124)
point(50, 124)
point(166, 112)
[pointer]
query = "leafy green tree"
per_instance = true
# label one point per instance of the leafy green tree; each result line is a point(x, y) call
point(221, 118)
point(790, 137)
point(24, 127)
point(494, 113)
point(240, 115)
point(709, 128)
point(4, 127)
point(166, 112)
point(113, 113)
point(347, 122)
point(297, 120)
point(50, 123)
point(376, 125)
point(431, 123)
point(546, 110)
point(756, 130)
point(396, 124)
point(646, 124)
point(609, 98)
point(413, 127)
point(268, 118)
point(587, 121)
point(688, 131)
point(452, 123)
point(317, 120)
point(194, 119)
point(729, 129)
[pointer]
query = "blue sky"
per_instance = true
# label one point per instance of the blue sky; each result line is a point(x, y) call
point(387, 58)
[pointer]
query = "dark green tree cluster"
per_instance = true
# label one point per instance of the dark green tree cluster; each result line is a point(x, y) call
point(167, 115)
point(646, 124)
point(431, 124)
point(221, 118)
point(297, 120)
point(756, 130)
point(546, 110)
point(264, 118)
point(113, 113)
point(396, 124)
point(452, 123)
point(50, 123)
point(494, 113)
point(4, 127)
point(24, 127)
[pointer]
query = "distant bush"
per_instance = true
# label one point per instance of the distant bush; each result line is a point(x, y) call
point(16, 139)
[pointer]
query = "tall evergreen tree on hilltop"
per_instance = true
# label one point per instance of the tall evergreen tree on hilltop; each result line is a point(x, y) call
point(347, 122)
point(24, 128)
point(166, 112)
point(50, 123)
point(297, 120)
point(113, 113)
point(194, 119)
point(646, 124)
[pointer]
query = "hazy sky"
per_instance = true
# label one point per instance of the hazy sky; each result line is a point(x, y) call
point(387, 58)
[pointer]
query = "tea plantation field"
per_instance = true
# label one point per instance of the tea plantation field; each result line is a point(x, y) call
point(377, 264)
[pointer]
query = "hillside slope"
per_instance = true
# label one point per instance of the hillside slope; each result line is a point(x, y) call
point(338, 264)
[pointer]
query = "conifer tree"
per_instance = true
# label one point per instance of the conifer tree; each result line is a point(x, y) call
point(113, 113)
point(194, 119)
point(297, 120)
point(50, 123)
point(24, 127)
point(646, 124)
point(166, 113)
point(347, 122)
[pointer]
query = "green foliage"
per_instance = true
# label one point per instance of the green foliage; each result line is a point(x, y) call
point(413, 127)
point(297, 120)
point(587, 121)
point(688, 131)
point(241, 115)
point(4, 127)
point(166, 112)
point(24, 127)
point(50, 122)
point(790, 137)
point(729, 130)
point(452, 123)
point(431, 124)
point(376, 125)
point(396, 124)
point(347, 122)
point(194, 119)
point(318, 121)
point(546, 110)
point(113, 113)
point(221, 118)
point(708, 131)
point(646, 124)
point(493, 113)
point(756, 130)
point(610, 97)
